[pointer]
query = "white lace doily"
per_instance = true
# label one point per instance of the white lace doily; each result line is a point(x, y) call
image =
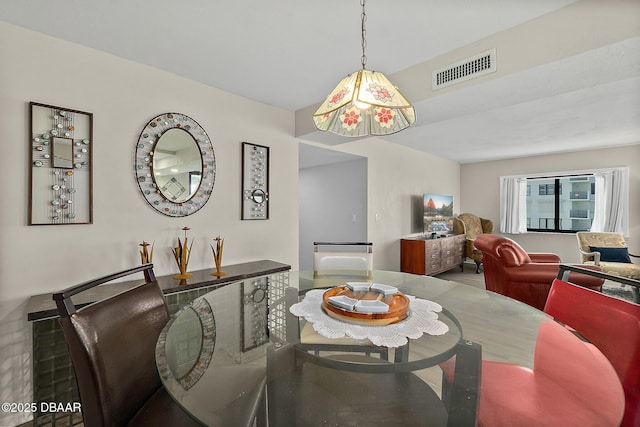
point(423, 318)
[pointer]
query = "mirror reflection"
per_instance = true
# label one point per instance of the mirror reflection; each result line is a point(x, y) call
point(186, 343)
point(258, 196)
point(62, 152)
point(177, 165)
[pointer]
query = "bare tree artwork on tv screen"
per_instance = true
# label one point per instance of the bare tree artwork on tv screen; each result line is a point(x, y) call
point(438, 214)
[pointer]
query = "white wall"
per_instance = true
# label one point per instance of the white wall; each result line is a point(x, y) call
point(333, 206)
point(480, 190)
point(122, 96)
point(396, 175)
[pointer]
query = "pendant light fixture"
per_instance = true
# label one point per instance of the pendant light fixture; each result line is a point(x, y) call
point(364, 103)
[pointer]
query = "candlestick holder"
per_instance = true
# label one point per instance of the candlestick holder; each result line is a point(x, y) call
point(182, 253)
point(217, 256)
point(146, 256)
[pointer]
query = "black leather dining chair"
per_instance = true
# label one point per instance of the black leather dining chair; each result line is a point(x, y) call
point(112, 348)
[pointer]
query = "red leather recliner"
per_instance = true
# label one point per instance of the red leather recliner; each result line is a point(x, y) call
point(511, 271)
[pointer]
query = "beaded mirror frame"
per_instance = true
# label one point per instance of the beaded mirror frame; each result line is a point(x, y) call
point(144, 157)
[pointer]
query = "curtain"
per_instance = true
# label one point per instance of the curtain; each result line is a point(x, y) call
point(611, 201)
point(513, 205)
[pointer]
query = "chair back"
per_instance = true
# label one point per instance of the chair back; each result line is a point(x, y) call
point(348, 259)
point(612, 325)
point(112, 348)
point(572, 384)
point(471, 225)
point(601, 239)
point(502, 251)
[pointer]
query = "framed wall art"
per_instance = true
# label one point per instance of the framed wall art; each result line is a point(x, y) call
point(255, 181)
point(61, 146)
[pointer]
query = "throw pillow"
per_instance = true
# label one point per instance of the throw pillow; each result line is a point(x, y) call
point(612, 254)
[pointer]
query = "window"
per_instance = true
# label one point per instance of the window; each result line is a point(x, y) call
point(566, 202)
point(546, 189)
point(551, 209)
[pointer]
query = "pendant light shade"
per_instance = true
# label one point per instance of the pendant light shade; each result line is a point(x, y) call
point(364, 103)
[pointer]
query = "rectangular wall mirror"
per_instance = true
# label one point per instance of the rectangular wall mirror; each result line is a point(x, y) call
point(62, 149)
point(61, 145)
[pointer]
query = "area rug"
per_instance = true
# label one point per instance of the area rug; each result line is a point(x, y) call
point(618, 291)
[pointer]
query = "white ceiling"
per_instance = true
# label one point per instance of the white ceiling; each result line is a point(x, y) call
point(291, 53)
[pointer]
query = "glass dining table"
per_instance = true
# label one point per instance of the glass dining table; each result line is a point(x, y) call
point(216, 354)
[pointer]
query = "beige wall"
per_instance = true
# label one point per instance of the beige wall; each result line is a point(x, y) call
point(396, 174)
point(480, 192)
point(123, 96)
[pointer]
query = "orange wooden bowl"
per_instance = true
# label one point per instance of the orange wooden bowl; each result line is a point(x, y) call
point(398, 307)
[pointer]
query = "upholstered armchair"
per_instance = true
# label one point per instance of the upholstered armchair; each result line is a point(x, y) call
point(511, 271)
point(471, 226)
point(609, 252)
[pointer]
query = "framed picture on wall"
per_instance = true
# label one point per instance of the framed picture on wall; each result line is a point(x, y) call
point(255, 181)
point(61, 146)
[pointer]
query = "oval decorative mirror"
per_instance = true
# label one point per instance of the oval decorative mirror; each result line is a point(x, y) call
point(175, 164)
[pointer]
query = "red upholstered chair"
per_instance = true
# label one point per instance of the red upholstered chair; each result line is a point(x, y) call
point(612, 325)
point(572, 384)
point(511, 271)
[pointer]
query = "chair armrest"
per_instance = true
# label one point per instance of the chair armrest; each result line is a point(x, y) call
point(595, 255)
point(533, 272)
point(544, 257)
point(540, 272)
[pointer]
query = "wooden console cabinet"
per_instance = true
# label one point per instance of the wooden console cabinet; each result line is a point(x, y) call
point(432, 256)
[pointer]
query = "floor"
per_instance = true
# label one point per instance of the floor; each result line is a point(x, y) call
point(466, 277)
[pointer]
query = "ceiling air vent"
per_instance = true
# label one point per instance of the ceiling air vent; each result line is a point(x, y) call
point(466, 69)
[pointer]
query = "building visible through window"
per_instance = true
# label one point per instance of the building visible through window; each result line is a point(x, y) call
point(560, 204)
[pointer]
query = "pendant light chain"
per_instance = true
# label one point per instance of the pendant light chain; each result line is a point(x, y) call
point(364, 103)
point(363, 17)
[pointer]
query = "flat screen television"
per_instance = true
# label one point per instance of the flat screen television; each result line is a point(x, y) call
point(438, 214)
